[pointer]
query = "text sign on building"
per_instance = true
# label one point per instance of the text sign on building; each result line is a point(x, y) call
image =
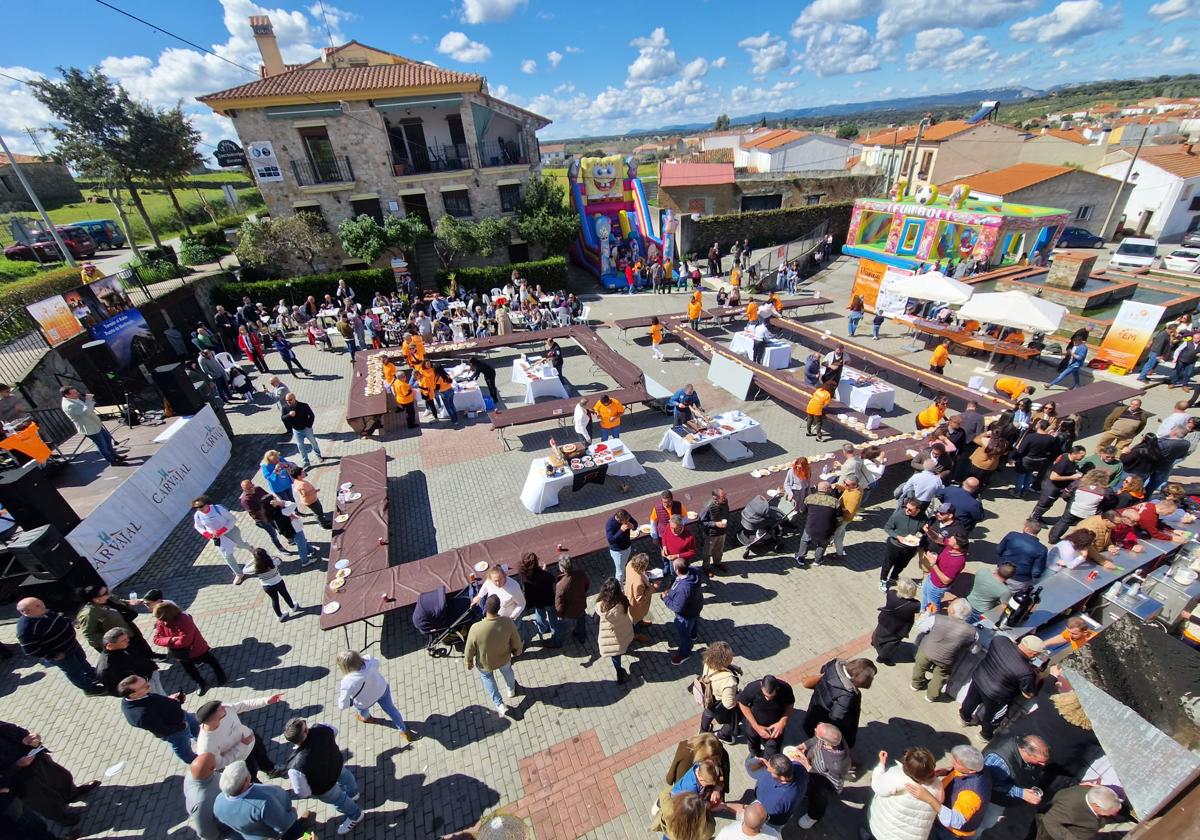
point(263, 162)
point(229, 153)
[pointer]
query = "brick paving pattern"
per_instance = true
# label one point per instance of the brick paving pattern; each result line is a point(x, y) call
point(580, 756)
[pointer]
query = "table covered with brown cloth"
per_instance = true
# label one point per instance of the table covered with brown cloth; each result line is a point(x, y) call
point(719, 312)
point(362, 538)
point(364, 412)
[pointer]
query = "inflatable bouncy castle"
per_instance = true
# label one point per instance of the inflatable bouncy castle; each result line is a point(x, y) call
point(614, 220)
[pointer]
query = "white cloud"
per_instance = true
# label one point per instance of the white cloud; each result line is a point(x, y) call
point(948, 48)
point(461, 48)
point(837, 11)
point(1175, 9)
point(903, 16)
point(489, 11)
point(1061, 51)
point(565, 87)
point(1069, 19)
point(529, 66)
point(831, 49)
point(572, 50)
point(695, 68)
point(655, 61)
point(418, 38)
point(717, 63)
point(554, 58)
point(859, 85)
point(1179, 46)
point(18, 109)
point(326, 13)
point(767, 52)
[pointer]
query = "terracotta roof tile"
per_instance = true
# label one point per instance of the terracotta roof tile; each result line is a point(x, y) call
point(20, 158)
point(1174, 159)
point(335, 80)
point(1011, 179)
point(1072, 136)
point(694, 174)
point(899, 136)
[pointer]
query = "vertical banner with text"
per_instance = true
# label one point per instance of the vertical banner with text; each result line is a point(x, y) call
point(1129, 334)
point(867, 280)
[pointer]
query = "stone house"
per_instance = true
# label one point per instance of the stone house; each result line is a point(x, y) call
point(1066, 147)
point(363, 131)
point(1165, 199)
point(957, 148)
point(51, 181)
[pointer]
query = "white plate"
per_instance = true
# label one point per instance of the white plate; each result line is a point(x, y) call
point(347, 485)
point(331, 607)
point(482, 566)
point(340, 518)
point(353, 497)
point(654, 574)
point(341, 564)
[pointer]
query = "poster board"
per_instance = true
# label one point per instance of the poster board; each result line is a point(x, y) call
point(55, 318)
point(263, 162)
point(120, 535)
point(725, 373)
point(129, 337)
point(1129, 334)
point(889, 303)
point(867, 281)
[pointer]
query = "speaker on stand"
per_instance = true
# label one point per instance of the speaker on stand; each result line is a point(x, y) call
point(56, 571)
point(178, 390)
point(102, 358)
point(32, 500)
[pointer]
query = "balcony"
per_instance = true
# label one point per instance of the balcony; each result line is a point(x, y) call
point(502, 153)
point(335, 170)
point(421, 160)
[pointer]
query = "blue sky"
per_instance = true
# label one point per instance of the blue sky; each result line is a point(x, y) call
point(632, 65)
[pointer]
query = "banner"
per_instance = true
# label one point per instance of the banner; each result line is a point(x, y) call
point(1129, 334)
point(57, 321)
point(263, 162)
point(119, 536)
point(890, 303)
point(867, 280)
point(129, 336)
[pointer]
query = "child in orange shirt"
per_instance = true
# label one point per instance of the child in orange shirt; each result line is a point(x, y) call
point(656, 337)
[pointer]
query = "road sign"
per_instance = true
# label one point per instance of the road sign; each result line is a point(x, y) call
point(230, 153)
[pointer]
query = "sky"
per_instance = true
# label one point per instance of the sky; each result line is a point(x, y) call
point(621, 66)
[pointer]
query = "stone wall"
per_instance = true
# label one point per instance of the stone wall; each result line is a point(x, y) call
point(51, 181)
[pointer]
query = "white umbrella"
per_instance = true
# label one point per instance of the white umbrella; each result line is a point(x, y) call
point(932, 285)
point(1014, 309)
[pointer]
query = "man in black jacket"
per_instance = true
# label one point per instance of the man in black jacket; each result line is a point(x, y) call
point(119, 660)
point(713, 520)
point(50, 638)
point(227, 331)
point(822, 512)
point(299, 419)
point(1057, 483)
point(317, 769)
point(1034, 453)
point(481, 368)
point(160, 715)
point(43, 785)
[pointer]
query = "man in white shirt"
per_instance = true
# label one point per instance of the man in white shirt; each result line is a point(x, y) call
point(512, 598)
point(81, 409)
point(1177, 419)
point(761, 336)
point(752, 824)
point(583, 421)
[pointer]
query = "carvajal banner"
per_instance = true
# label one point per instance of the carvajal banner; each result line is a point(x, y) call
point(1129, 334)
point(120, 535)
point(867, 280)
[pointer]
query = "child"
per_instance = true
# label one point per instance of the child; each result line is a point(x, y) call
point(240, 382)
point(272, 583)
point(656, 337)
point(301, 540)
point(306, 493)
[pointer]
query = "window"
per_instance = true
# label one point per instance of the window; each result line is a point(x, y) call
point(926, 164)
point(367, 207)
point(313, 210)
point(510, 197)
point(810, 200)
point(321, 158)
point(1084, 213)
point(772, 201)
point(457, 202)
point(1195, 205)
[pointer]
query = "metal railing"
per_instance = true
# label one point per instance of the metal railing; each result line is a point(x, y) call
point(796, 249)
point(54, 427)
point(502, 153)
point(334, 171)
point(425, 159)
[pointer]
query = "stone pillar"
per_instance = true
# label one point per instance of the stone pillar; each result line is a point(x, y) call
point(1070, 269)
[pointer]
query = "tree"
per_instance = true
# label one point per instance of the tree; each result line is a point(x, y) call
point(167, 142)
point(365, 239)
point(847, 131)
point(763, 122)
point(265, 242)
point(454, 237)
point(543, 216)
point(722, 123)
point(95, 134)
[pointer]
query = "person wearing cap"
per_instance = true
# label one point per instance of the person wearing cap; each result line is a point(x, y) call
point(254, 811)
point(317, 770)
point(160, 715)
point(1004, 675)
point(215, 522)
point(223, 734)
point(89, 273)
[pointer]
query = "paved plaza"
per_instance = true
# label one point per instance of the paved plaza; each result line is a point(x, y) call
point(580, 756)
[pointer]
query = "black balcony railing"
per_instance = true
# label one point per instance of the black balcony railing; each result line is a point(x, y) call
point(332, 171)
point(419, 160)
point(502, 153)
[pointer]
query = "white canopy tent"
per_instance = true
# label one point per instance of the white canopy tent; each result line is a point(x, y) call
point(933, 285)
point(1013, 309)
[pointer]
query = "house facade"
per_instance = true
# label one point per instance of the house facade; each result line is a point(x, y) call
point(788, 150)
point(1066, 147)
point(957, 148)
point(363, 131)
point(51, 181)
point(1165, 200)
point(554, 155)
point(715, 189)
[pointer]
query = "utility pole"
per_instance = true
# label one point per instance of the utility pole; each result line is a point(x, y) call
point(912, 164)
point(37, 144)
point(1113, 207)
point(892, 160)
point(62, 246)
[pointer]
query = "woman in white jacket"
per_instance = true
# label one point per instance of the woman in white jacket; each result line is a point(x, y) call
point(216, 523)
point(363, 686)
point(895, 814)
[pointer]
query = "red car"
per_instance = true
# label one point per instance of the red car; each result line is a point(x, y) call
point(78, 241)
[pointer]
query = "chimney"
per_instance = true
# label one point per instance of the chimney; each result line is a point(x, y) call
point(264, 34)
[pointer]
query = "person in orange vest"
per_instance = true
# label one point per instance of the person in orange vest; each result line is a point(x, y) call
point(609, 411)
point(406, 398)
point(751, 311)
point(940, 357)
point(389, 370)
point(413, 348)
point(933, 414)
point(816, 408)
point(735, 276)
point(1013, 386)
point(777, 302)
point(433, 381)
point(656, 337)
point(695, 308)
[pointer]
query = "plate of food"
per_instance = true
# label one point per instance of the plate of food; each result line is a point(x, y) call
point(343, 573)
point(346, 486)
point(337, 584)
point(691, 514)
point(331, 608)
point(757, 473)
point(353, 497)
point(727, 428)
point(601, 447)
point(911, 539)
point(341, 517)
point(654, 574)
point(645, 529)
point(481, 566)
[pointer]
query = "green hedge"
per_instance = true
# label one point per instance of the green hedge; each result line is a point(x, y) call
point(18, 269)
point(365, 284)
point(32, 289)
point(550, 273)
point(769, 227)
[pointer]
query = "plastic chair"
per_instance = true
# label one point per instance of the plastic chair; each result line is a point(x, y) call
point(226, 361)
point(583, 316)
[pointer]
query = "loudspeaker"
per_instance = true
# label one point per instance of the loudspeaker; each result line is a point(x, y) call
point(63, 594)
point(33, 501)
point(181, 394)
point(45, 553)
point(101, 356)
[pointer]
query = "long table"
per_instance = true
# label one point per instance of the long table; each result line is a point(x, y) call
point(969, 339)
point(541, 491)
point(716, 313)
point(729, 443)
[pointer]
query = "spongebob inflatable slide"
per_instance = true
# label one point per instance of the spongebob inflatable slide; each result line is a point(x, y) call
point(615, 227)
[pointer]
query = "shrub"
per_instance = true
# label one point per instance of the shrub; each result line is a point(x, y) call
point(365, 284)
point(41, 286)
point(193, 251)
point(18, 269)
point(550, 272)
point(154, 271)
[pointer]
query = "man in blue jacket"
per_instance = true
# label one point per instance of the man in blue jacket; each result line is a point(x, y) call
point(681, 404)
point(685, 599)
point(1025, 551)
point(618, 531)
point(256, 812)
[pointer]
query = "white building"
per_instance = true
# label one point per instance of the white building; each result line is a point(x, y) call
point(1165, 202)
point(788, 150)
point(554, 155)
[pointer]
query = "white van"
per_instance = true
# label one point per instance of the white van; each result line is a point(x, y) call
point(1135, 253)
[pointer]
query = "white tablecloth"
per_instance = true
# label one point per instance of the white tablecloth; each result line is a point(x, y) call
point(729, 445)
point(777, 356)
point(467, 394)
point(878, 395)
point(539, 381)
point(541, 491)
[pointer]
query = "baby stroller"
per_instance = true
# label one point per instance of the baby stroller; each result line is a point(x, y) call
point(762, 527)
point(445, 619)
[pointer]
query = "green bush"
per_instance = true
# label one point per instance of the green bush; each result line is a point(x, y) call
point(769, 227)
point(194, 251)
point(32, 289)
point(365, 284)
point(550, 273)
point(18, 269)
point(155, 271)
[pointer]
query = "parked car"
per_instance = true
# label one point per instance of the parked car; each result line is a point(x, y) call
point(1185, 261)
point(78, 242)
point(1134, 253)
point(1074, 237)
point(1191, 239)
point(105, 232)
